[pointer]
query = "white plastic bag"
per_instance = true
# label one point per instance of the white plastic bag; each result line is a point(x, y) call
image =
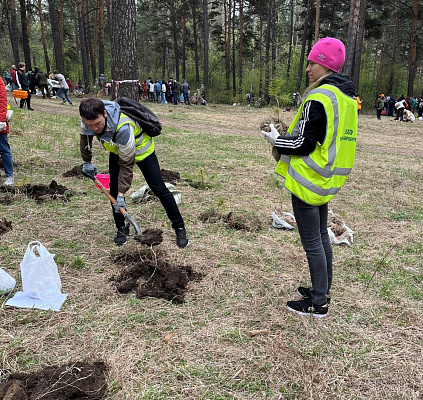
point(40, 278)
point(7, 283)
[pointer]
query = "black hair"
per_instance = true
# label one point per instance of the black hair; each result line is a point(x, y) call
point(91, 108)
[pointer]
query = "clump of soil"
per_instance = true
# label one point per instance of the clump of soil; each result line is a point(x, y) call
point(249, 223)
point(337, 225)
point(170, 176)
point(75, 171)
point(150, 275)
point(280, 126)
point(5, 226)
point(40, 193)
point(72, 381)
point(150, 237)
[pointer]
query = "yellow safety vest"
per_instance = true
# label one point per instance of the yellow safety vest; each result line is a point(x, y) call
point(316, 178)
point(144, 144)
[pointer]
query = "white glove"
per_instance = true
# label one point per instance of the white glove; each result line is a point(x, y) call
point(272, 135)
point(3, 126)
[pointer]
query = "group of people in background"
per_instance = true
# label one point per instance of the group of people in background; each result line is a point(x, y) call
point(30, 81)
point(405, 109)
point(171, 91)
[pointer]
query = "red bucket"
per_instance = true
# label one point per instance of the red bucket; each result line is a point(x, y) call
point(103, 179)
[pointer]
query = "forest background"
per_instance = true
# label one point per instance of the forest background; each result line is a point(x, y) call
point(232, 47)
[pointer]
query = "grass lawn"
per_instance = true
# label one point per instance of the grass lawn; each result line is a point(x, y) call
point(370, 346)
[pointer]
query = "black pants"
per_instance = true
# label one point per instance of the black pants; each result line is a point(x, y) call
point(150, 168)
point(27, 100)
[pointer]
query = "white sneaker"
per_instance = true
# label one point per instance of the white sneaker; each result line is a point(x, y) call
point(9, 181)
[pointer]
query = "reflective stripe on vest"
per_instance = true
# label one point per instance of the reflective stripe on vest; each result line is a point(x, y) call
point(144, 144)
point(316, 178)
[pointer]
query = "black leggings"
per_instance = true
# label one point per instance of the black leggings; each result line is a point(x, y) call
point(150, 168)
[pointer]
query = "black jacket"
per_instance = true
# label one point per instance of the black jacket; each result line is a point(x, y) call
point(312, 123)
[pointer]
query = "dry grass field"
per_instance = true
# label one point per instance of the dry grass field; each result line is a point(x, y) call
point(370, 346)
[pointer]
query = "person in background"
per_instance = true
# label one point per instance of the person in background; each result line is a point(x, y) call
point(23, 84)
point(316, 158)
point(127, 145)
point(5, 152)
point(409, 116)
point(359, 101)
point(102, 84)
point(380, 105)
point(43, 83)
point(185, 91)
point(64, 87)
point(400, 106)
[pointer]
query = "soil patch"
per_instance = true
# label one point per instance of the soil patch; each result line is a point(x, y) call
point(40, 193)
point(5, 226)
point(75, 171)
point(150, 237)
point(150, 275)
point(78, 380)
point(249, 223)
point(170, 176)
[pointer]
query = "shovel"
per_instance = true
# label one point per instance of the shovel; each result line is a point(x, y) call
point(113, 200)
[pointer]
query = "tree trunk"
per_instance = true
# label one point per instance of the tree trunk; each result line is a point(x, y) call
point(233, 50)
point(267, 49)
point(89, 42)
point(25, 36)
point(241, 32)
point(228, 23)
point(206, 46)
point(352, 36)
point(57, 44)
point(303, 45)
point(317, 23)
point(43, 37)
point(291, 35)
point(175, 35)
point(83, 46)
point(62, 6)
point(194, 29)
point(394, 51)
point(13, 29)
point(413, 52)
point(359, 45)
point(123, 46)
point(101, 37)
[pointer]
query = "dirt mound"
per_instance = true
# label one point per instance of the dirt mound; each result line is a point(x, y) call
point(40, 193)
point(150, 275)
point(249, 223)
point(78, 380)
point(150, 237)
point(5, 226)
point(75, 171)
point(170, 176)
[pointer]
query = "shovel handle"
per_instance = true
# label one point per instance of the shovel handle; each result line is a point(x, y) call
point(122, 210)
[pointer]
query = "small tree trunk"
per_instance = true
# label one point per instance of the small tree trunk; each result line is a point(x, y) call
point(57, 44)
point(25, 36)
point(83, 46)
point(13, 29)
point(413, 50)
point(206, 46)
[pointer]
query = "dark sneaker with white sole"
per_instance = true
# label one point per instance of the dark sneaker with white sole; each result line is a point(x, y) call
point(181, 237)
point(305, 307)
point(121, 235)
point(304, 292)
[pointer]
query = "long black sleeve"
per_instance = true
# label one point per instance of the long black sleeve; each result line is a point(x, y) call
point(312, 129)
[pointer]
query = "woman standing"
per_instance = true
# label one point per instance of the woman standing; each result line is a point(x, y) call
point(23, 83)
point(316, 157)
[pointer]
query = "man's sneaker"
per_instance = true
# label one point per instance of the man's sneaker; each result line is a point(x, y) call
point(121, 235)
point(305, 293)
point(9, 181)
point(305, 307)
point(64, 101)
point(181, 237)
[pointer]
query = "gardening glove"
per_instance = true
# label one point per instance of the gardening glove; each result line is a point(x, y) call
point(89, 170)
point(3, 126)
point(120, 202)
point(272, 135)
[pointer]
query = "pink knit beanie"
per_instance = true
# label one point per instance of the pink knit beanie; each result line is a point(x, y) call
point(328, 52)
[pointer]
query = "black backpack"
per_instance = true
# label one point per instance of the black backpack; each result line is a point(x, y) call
point(147, 120)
